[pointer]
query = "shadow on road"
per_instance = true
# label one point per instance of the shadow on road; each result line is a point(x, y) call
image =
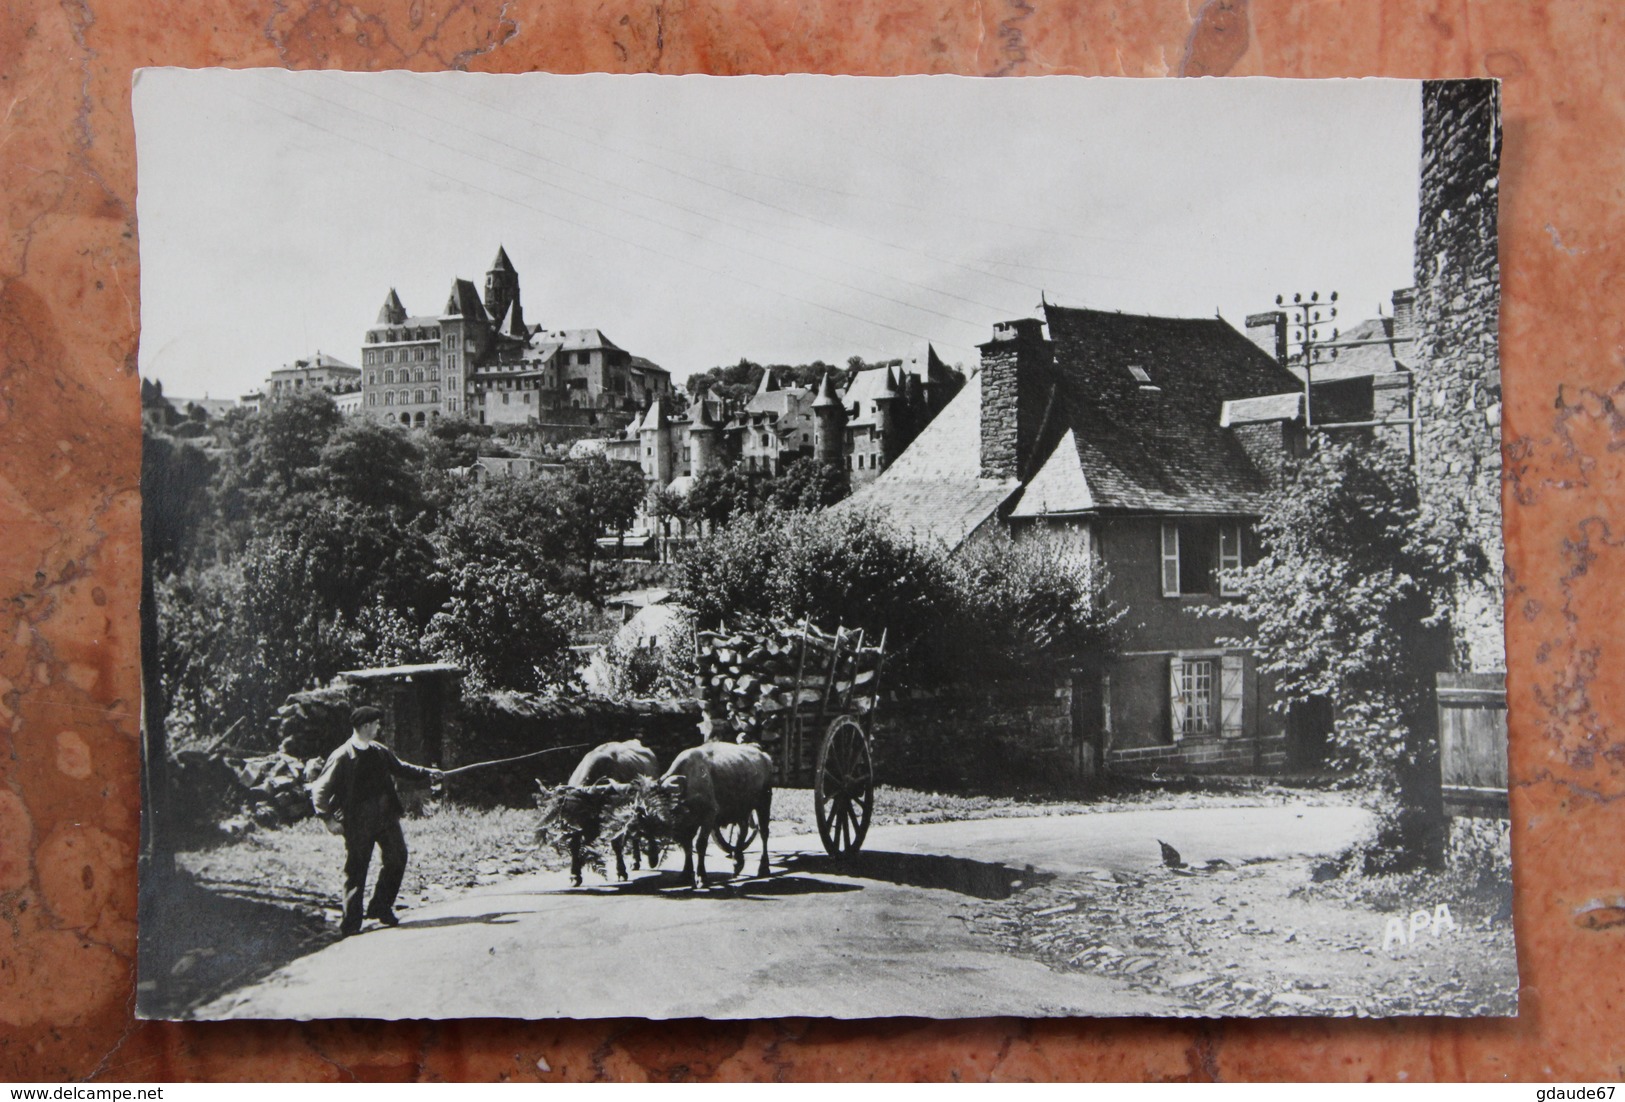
point(668, 884)
point(493, 918)
point(981, 879)
point(200, 940)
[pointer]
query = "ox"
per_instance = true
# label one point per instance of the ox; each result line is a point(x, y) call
point(603, 780)
point(713, 785)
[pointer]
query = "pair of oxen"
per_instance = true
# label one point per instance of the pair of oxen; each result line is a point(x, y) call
point(617, 795)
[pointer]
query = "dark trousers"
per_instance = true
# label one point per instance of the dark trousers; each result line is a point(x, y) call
point(385, 833)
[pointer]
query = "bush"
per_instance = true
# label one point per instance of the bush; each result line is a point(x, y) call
point(1001, 608)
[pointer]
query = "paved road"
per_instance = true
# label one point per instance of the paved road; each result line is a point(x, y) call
point(885, 935)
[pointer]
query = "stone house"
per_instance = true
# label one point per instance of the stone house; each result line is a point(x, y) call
point(1150, 443)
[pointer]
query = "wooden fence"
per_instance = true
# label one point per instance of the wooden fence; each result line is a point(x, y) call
point(1473, 743)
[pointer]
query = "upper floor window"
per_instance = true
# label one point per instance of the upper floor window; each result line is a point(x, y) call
point(1196, 554)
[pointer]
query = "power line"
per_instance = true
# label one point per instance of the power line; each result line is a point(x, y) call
point(647, 218)
point(709, 216)
point(1027, 288)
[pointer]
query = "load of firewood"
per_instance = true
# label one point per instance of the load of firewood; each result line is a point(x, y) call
point(750, 679)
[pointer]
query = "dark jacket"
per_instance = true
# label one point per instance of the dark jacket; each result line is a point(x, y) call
point(360, 781)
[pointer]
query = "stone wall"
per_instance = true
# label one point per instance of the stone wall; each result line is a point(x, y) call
point(1009, 738)
point(505, 725)
point(1458, 357)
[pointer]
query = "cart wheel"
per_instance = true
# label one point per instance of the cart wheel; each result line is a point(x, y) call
point(735, 838)
point(844, 787)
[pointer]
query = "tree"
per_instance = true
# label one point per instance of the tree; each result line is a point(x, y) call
point(521, 522)
point(810, 483)
point(1027, 605)
point(1348, 603)
point(722, 493)
point(601, 497)
point(176, 508)
point(506, 629)
point(373, 465)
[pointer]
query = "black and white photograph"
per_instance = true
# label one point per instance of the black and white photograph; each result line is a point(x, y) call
point(749, 547)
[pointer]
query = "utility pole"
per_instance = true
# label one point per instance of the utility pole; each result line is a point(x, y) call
point(1305, 320)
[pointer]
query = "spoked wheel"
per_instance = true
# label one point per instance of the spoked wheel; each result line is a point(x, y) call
point(844, 789)
point(735, 838)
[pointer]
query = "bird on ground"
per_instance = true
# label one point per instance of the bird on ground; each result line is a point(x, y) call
point(1170, 855)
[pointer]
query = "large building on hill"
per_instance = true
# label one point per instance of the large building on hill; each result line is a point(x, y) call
point(478, 357)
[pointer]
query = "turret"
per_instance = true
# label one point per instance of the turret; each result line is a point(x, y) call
point(702, 439)
point(392, 313)
point(654, 436)
point(829, 428)
point(885, 419)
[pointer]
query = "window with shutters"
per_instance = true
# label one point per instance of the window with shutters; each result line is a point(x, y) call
point(1194, 555)
point(1190, 693)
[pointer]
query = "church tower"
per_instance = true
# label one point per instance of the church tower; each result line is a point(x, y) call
point(502, 291)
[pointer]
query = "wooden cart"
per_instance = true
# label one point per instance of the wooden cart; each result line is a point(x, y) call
point(809, 698)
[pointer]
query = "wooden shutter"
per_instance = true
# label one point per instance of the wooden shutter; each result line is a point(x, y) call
point(1229, 558)
point(1176, 697)
point(1170, 559)
point(1230, 696)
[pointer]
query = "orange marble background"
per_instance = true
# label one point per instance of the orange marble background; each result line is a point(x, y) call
point(69, 516)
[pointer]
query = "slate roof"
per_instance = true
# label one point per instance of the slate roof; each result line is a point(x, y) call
point(1060, 485)
point(321, 361)
point(1161, 450)
point(413, 322)
point(934, 490)
point(865, 387)
point(464, 301)
point(572, 340)
point(647, 366)
point(391, 309)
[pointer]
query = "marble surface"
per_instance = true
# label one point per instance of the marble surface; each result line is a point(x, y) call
point(69, 556)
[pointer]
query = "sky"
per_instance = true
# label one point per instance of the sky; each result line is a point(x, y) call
point(699, 220)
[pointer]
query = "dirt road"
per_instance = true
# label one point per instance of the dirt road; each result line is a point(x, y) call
point(887, 934)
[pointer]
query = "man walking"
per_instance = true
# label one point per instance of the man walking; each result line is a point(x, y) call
point(357, 789)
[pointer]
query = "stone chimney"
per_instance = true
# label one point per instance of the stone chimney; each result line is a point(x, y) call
point(1405, 313)
point(1268, 331)
point(1016, 382)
